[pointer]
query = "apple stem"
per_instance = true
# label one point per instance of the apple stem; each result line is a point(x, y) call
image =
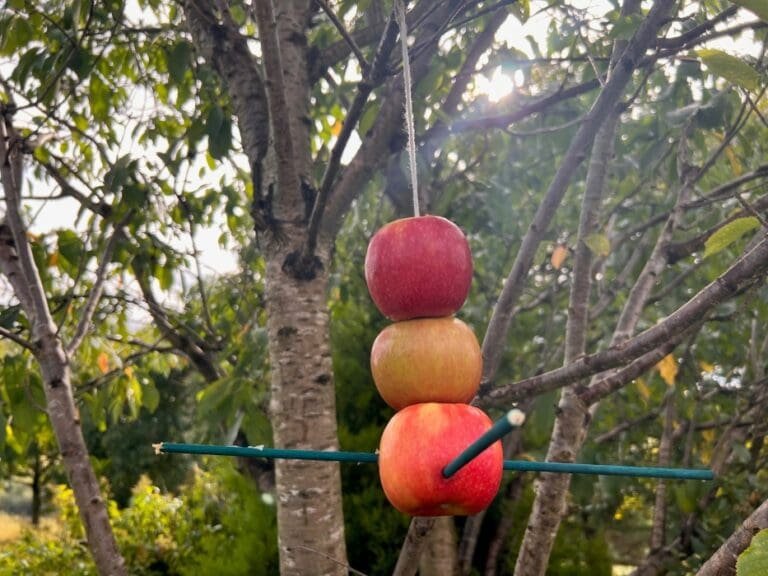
point(503, 426)
point(371, 458)
point(409, 123)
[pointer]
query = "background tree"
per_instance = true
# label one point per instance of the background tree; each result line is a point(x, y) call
point(614, 202)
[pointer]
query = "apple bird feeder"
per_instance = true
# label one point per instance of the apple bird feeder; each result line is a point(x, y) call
point(438, 455)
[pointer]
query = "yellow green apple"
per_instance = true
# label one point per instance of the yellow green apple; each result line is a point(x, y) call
point(426, 360)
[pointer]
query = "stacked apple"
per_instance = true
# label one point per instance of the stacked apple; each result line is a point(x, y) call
point(427, 365)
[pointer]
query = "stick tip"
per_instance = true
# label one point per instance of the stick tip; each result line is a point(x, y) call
point(516, 417)
point(158, 448)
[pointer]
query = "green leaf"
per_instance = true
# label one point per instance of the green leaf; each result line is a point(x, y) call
point(599, 244)
point(178, 58)
point(164, 276)
point(685, 499)
point(731, 68)
point(625, 27)
point(70, 246)
point(368, 118)
point(754, 560)
point(522, 9)
point(758, 7)
point(9, 315)
point(135, 196)
point(99, 98)
point(151, 397)
point(728, 234)
point(218, 127)
point(15, 34)
point(118, 174)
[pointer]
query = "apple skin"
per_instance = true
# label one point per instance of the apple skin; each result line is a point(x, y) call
point(426, 360)
point(418, 267)
point(419, 441)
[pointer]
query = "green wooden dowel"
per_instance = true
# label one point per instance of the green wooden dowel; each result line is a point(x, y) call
point(371, 458)
point(503, 426)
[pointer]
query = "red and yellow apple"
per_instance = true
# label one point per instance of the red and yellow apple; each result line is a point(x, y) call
point(426, 360)
point(418, 267)
point(419, 441)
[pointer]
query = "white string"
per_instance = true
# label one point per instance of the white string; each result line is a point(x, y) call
point(409, 125)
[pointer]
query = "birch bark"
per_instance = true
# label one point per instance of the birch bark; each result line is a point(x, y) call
point(18, 265)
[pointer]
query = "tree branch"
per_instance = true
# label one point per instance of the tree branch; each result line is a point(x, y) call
point(437, 133)
point(344, 34)
point(408, 561)
point(607, 385)
point(626, 425)
point(374, 76)
point(227, 51)
point(678, 42)
point(503, 120)
point(16, 338)
point(746, 271)
point(607, 99)
point(86, 314)
point(659, 523)
point(385, 137)
point(190, 344)
point(723, 561)
point(287, 177)
point(17, 262)
point(679, 250)
point(338, 51)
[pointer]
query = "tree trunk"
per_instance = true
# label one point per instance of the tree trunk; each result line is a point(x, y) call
point(549, 506)
point(65, 420)
point(572, 414)
point(36, 491)
point(659, 525)
point(303, 414)
point(413, 546)
point(440, 557)
point(18, 266)
point(513, 492)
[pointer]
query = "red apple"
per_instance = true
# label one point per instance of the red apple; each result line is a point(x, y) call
point(426, 360)
point(419, 441)
point(418, 267)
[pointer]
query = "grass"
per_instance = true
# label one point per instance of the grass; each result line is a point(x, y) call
point(12, 526)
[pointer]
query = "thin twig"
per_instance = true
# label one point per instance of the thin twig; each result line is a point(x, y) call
point(331, 558)
point(16, 338)
point(344, 34)
point(751, 209)
point(86, 315)
point(743, 273)
point(373, 77)
point(757, 111)
point(547, 129)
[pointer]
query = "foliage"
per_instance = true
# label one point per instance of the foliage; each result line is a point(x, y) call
point(159, 533)
point(124, 449)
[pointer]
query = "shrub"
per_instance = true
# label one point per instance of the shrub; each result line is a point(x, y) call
point(217, 524)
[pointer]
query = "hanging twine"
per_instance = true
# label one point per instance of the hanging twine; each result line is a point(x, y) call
point(409, 124)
